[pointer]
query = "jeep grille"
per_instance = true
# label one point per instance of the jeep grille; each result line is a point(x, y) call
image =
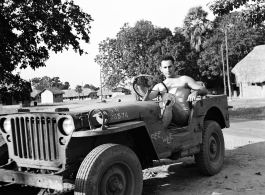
point(35, 138)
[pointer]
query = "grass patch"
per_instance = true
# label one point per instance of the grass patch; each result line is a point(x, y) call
point(248, 108)
point(242, 108)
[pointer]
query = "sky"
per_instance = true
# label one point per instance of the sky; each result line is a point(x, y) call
point(109, 16)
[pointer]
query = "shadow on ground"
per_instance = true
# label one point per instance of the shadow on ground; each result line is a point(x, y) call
point(241, 171)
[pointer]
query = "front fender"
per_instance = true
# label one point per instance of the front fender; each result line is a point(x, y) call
point(121, 127)
point(110, 129)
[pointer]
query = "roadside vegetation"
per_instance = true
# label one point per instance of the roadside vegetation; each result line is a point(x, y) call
point(197, 46)
point(248, 108)
point(242, 108)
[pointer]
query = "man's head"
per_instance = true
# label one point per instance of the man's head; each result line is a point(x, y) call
point(167, 66)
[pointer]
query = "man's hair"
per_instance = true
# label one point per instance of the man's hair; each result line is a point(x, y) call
point(166, 58)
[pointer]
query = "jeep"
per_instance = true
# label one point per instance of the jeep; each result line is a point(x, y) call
point(102, 148)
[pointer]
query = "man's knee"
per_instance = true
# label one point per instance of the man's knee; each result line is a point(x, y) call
point(179, 115)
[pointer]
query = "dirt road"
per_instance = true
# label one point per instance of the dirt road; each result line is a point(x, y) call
point(243, 171)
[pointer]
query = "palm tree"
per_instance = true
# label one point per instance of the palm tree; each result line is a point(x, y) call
point(196, 27)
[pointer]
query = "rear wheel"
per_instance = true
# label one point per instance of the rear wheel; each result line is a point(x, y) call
point(110, 169)
point(211, 157)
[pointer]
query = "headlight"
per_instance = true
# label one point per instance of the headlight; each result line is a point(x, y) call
point(7, 126)
point(68, 126)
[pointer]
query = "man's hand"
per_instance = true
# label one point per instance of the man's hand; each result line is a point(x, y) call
point(192, 96)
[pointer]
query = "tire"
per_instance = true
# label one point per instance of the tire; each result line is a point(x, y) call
point(210, 159)
point(110, 169)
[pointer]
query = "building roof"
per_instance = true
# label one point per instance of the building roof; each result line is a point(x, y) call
point(35, 92)
point(73, 93)
point(54, 90)
point(251, 69)
point(121, 89)
point(104, 92)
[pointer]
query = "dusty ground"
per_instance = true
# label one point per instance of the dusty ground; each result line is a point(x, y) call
point(243, 170)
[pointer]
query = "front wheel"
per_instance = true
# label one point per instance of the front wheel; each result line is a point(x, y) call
point(211, 157)
point(110, 169)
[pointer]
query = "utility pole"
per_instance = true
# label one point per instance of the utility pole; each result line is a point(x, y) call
point(100, 84)
point(82, 90)
point(223, 62)
point(228, 76)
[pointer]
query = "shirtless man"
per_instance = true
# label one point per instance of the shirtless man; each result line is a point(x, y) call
point(180, 87)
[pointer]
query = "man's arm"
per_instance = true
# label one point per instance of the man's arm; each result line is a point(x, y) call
point(198, 89)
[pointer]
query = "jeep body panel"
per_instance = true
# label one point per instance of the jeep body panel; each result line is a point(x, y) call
point(37, 140)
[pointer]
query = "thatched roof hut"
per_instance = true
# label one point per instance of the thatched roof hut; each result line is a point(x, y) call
point(105, 92)
point(54, 90)
point(72, 93)
point(251, 69)
point(35, 92)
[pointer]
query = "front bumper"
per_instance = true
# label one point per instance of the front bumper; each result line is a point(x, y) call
point(37, 180)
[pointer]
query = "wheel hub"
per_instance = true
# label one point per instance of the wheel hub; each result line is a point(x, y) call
point(114, 181)
point(213, 148)
point(114, 184)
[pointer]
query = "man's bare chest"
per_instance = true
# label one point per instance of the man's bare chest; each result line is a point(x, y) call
point(176, 85)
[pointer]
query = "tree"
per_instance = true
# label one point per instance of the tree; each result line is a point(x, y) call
point(253, 10)
point(55, 81)
point(241, 40)
point(110, 62)
point(30, 29)
point(134, 43)
point(47, 82)
point(91, 87)
point(79, 90)
point(19, 90)
point(41, 83)
point(196, 27)
point(138, 49)
point(65, 86)
point(130, 53)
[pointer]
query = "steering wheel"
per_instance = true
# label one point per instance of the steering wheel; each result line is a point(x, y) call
point(168, 99)
point(149, 88)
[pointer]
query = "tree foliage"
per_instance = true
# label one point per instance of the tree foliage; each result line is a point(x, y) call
point(30, 29)
point(19, 91)
point(138, 49)
point(91, 87)
point(253, 10)
point(47, 82)
point(196, 27)
point(241, 40)
point(79, 90)
point(110, 61)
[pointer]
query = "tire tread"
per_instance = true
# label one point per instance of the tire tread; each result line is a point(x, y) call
point(93, 159)
point(201, 158)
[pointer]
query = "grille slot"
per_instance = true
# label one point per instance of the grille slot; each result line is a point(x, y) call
point(35, 138)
